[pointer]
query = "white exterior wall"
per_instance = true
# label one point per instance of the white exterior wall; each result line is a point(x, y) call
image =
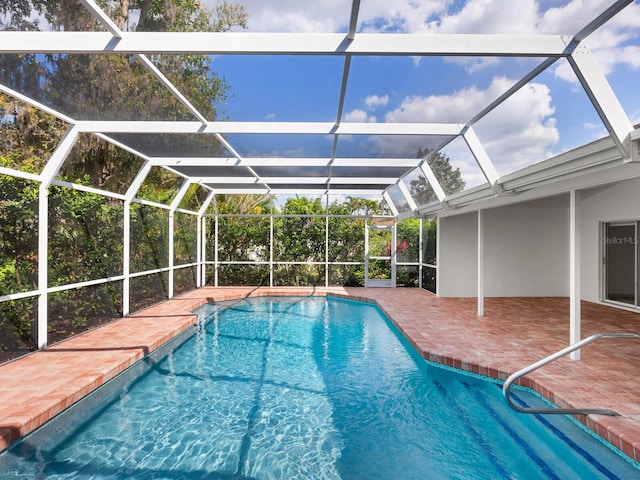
point(457, 256)
point(616, 202)
point(526, 249)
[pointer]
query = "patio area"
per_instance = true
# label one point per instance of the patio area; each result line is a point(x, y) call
point(514, 333)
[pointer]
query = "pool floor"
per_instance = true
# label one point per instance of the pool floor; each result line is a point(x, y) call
point(513, 333)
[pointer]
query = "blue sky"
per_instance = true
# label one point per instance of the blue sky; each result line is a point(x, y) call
point(551, 115)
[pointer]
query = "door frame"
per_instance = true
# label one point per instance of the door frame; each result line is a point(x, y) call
point(380, 282)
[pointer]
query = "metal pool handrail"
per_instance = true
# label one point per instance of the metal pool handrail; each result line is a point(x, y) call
point(573, 411)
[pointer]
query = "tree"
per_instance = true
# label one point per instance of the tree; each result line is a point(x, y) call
point(243, 203)
point(20, 14)
point(27, 135)
point(85, 236)
point(450, 180)
point(241, 238)
point(118, 86)
point(408, 251)
point(362, 206)
point(301, 237)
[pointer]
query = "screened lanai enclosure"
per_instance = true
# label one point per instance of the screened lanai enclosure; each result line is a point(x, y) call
point(150, 148)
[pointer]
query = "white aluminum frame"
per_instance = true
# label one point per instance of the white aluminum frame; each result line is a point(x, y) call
point(549, 48)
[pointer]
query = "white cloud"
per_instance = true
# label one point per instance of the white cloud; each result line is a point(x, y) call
point(608, 59)
point(475, 16)
point(611, 57)
point(527, 118)
point(519, 132)
point(294, 15)
point(399, 15)
point(571, 17)
point(333, 15)
point(458, 107)
point(490, 16)
point(374, 101)
point(359, 116)
point(609, 44)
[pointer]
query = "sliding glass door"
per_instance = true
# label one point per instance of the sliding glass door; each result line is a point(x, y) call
point(620, 260)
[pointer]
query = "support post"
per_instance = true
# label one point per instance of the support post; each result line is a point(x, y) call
point(270, 246)
point(46, 178)
point(574, 271)
point(480, 263)
point(172, 211)
point(326, 242)
point(43, 265)
point(438, 237)
point(201, 248)
point(216, 257)
point(126, 258)
point(171, 251)
point(126, 235)
point(420, 254)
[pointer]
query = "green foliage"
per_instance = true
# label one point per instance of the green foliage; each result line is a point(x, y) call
point(19, 234)
point(85, 229)
point(160, 186)
point(184, 279)
point(18, 259)
point(243, 239)
point(243, 275)
point(95, 162)
point(346, 239)
point(379, 243)
point(149, 238)
point(302, 236)
point(408, 251)
point(407, 276)
point(450, 180)
point(20, 14)
point(79, 309)
point(362, 206)
point(85, 243)
point(305, 275)
point(303, 206)
point(243, 204)
point(299, 236)
point(27, 136)
point(116, 87)
point(17, 318)
point(408, 240)
point(85, 236)
point(429, 233)
point(185, 238)
point(194, 197)
point(146, 290)
point(299, 243)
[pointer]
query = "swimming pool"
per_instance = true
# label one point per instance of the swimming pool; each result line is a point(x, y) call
point(304, 388)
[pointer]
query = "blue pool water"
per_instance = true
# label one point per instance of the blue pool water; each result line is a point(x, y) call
point(304, 388)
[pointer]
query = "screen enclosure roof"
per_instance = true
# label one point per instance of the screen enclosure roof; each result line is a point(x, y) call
point(312, 112)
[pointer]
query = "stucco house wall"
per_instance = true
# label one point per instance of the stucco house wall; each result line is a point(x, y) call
point(526, 249)
point(616, 202)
